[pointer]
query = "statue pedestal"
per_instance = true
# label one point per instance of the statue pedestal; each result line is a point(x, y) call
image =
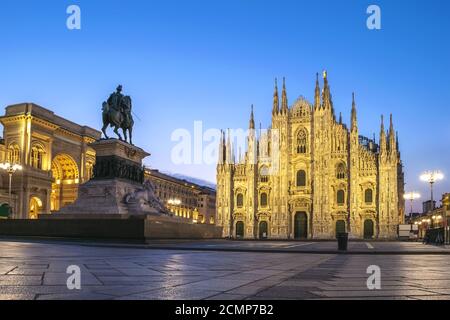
point(117, 185)
point(113, 148)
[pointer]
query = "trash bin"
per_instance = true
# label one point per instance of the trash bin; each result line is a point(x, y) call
point(342, 239)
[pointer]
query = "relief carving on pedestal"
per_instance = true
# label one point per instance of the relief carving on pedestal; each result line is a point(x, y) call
point(110, 167)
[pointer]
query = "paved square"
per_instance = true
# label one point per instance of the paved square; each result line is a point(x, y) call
point(37, 270)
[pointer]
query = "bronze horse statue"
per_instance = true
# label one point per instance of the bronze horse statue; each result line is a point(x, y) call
point(118, 118)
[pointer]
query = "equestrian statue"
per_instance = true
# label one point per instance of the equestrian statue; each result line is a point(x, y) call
point(117, 114)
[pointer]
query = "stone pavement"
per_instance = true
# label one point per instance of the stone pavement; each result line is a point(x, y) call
point(309, 246)
point(37, 270)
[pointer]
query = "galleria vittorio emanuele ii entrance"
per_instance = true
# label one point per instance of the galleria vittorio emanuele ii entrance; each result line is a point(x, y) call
point(65, 182)
point(54, 154)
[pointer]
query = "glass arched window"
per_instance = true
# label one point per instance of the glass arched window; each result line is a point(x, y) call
point(340, 197)
point(239, 200)
point(264, 174)
point(340, 171)
point(368, 196)
point(301, 178)
point(301, 141)
point(263, 199)
point(37, 156)
point(13, 154)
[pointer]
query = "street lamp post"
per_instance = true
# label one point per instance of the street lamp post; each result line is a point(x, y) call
point(411, 196)
point(431, 177)
point(11, 169)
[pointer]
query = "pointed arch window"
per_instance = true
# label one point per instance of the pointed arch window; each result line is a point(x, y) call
point(340, 197)
point(368, 196)
point(301, 178)
point(239, 200)
point(340, 171)
point(301, 142)
point(263, 199)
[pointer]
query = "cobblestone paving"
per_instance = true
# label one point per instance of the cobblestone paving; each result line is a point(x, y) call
point(37, 270)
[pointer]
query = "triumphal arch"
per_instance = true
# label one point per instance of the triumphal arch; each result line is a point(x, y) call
point(54, 153)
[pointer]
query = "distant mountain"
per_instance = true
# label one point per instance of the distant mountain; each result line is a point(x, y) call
point(198, 181)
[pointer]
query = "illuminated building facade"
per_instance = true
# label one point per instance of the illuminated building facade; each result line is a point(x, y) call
point(328, 178)
point(184, 199)
point(55, 156)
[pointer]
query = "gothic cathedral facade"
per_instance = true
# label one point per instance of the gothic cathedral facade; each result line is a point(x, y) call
point(310, 177)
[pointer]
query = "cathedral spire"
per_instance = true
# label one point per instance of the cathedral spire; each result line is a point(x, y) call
point(382, 136)
point(340, 117)
point(229, 151)
point(392, 140)
point(276, 103)
point(326, 98)
point(353, 120)
point(284, 102)
point(252, 120)
point(391, 125)
point(221, 147)
point(317, 93)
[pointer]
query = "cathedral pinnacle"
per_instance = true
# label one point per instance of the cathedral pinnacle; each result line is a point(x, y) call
point(317, 93)
point(382, 136)
point(276, 104)
point(284, 102)
point(252, 120)
point(391, 125)
point(353, 101)
point(353, 120)
point(221, 148)
point(392, 140)
point(326, 97)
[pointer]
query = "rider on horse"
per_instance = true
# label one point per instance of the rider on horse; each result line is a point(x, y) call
point(115, 99)
point(117, 113)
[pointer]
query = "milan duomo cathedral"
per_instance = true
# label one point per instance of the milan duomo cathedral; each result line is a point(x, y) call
point(309, 176)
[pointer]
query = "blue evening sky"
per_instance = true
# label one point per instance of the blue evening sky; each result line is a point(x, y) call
point(207, 60)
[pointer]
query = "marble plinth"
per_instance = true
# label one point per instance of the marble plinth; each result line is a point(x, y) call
point(117, 185)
